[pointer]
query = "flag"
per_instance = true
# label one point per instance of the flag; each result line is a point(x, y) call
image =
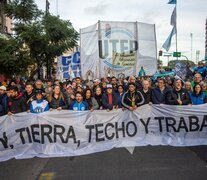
point(167, 43)
point(172, 2)
point(173, 18)
point(180, 70)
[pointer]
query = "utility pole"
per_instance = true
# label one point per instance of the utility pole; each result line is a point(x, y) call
point(57, 7)
point(191, 47)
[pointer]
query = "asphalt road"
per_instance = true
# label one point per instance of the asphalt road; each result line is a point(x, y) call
point(146, 163)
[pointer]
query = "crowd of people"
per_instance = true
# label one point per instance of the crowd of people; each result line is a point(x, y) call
point(100, 94)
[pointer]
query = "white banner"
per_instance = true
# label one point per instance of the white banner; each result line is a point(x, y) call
point(111, 48)
point(72, 133)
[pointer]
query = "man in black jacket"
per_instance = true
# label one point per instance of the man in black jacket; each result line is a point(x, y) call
point(29, 95)
point(16, 102)
point(132, 98)
point(178, 95)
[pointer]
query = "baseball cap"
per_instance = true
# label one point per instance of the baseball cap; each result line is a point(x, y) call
point(109, 86)
point(96, 80)
point(69, 85)
point(3, 88)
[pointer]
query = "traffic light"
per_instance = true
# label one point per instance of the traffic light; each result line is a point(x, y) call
point(160, 53)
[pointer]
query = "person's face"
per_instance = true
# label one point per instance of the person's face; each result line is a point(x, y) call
point(197, 88)
point(104, 85)
point(38, 84)
point(49, 83)
point(29, 89)
point(78, 81)
point(2, 91)
point(39, 97)
point(145, 85)
point(178, 84)
point(113, 81)
point(161, 84)
point(88, 94)
point(79, 98)
point(98, 91)
point(13, 83)
point(197, 77)
point(120, 89)
point(74, 85)
point(70, 90)
point(79, 89)
point(204, 87)
point(57, 90)
point(57, 82)
point(13, 93)
point(109, 90)
point(188, 86)
point(132, 79)
point(132, 88)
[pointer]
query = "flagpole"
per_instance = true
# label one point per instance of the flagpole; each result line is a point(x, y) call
point(176, 35)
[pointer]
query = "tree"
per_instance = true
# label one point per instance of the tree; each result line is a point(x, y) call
point(172, 63)
point(13, 57)
point(42, 35)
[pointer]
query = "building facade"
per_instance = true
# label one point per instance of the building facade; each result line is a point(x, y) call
point(5, 22)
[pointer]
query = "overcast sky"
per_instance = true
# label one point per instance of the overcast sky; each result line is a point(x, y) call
point(191, 16)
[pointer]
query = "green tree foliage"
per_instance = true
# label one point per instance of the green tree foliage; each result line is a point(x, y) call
point(172, 63)
point(41, 36)
point(13, 58)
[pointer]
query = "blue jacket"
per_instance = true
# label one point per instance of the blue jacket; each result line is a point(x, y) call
point(82, 106)
point(198, 99)
point(119, 98)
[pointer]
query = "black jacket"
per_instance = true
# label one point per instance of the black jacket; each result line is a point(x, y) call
point(127, 99)
point(173, 96)
point(16, 104)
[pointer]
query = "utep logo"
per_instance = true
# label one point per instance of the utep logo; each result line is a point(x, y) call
point(71, 63)
point(126, 43)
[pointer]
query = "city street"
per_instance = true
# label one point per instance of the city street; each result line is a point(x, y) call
point(150, 162)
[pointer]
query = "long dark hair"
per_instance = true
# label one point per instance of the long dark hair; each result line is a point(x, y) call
point(194, 91)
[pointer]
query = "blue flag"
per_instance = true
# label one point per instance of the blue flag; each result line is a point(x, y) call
point(173, 18)
point(172, 2)
point(167, 43)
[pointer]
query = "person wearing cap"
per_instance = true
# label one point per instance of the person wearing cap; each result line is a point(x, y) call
point(39, 105)
point(79, 88)
point(16, 103)
point(78, 104)
point(69, 94)
point(96, 83)
point(132, 98)
point(178, 95)
point(109, 99)
point(3, 101)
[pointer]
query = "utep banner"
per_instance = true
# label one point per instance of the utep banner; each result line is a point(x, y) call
point(72, 133)
point(111, 48)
